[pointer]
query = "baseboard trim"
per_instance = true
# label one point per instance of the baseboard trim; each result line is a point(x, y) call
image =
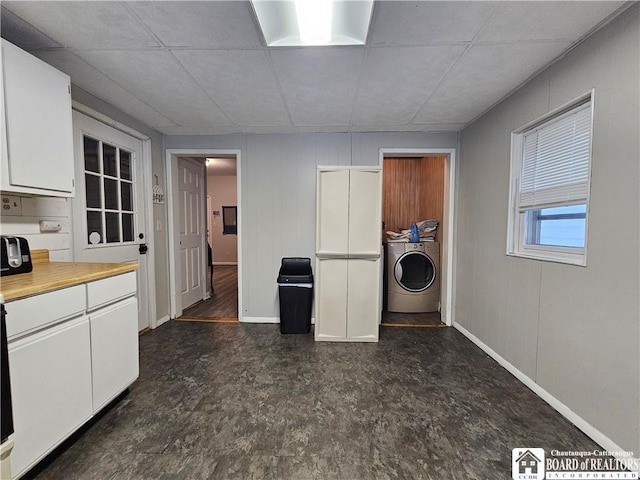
point(260, 319)
point(589, 430)
point(267, 320)
point(162, 320)
point(225, 263)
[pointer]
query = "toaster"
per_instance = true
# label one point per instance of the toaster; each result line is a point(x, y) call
point(16, 257)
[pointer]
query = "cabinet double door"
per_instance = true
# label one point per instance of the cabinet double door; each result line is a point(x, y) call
point(348, 243)
point(347, 299)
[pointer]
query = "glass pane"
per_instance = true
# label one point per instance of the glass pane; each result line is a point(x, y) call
point(417, 272)
point(557, 226)
point(110, 194)
point(94, 225)
point(91, 161)
point(564, 210)
point(113, 227)
point(126, 190)
point(92, 189)
point(109, 160)
point(127, 227)
point(563, 233)
point(125, 165)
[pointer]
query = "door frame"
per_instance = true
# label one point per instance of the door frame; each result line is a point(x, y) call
point(171, 163)
point(146, 185)
point(447, 251)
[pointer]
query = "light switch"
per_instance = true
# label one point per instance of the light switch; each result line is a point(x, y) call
point(158, 225)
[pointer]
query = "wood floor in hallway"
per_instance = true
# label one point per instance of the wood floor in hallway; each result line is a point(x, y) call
point(223, 304)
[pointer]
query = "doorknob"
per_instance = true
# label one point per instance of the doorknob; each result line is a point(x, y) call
point(143, 249)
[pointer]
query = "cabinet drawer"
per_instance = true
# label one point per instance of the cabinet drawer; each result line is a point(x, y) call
point(30, 314)
point(109, 290)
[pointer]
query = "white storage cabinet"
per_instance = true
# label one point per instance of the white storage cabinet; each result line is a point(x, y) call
point(348, 245)
point(37, 131)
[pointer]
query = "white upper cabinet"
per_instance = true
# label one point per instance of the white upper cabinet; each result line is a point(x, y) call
point(348, 203)
point(365, 212)
point(37, 156)
point(332, 212)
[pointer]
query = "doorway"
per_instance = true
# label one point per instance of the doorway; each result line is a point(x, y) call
point(418, 186)
point(110, 216)
point(220, 227)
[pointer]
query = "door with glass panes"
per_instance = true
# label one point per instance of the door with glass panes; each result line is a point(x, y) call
point(109, 210)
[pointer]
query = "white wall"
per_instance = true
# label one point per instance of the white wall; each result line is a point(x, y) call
point(223, 192)
point(278, 175)
point(574, 331)
point(27, 224)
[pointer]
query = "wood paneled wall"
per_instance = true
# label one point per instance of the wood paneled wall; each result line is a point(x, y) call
point(413, 190)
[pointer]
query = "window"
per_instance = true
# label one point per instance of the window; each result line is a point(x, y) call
point(229, 223)
point(109, 193)
point(550, 180)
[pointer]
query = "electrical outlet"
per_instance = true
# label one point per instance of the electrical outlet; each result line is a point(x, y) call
point(50, 226)
point(11, 205)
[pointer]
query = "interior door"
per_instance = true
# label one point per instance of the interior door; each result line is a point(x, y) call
point(191, 222)
point(109, 210)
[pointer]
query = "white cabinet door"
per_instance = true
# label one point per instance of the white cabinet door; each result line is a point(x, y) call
point(332, 221)
point(331, 299)
point(51, 387)
point(38, 125)
point(363, 307)
point(365, 212)
point(114, 350)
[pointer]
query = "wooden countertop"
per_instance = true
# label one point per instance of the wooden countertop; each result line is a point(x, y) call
point(48, 276)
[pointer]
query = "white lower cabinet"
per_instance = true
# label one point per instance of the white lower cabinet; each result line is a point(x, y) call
point(114, 350)
point(51, 388)
point(71, 351)
point(348, 307)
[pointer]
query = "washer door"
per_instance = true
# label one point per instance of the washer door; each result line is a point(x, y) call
point(414, 271)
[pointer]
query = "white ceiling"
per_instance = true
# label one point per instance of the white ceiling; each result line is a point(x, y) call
point(202, 67)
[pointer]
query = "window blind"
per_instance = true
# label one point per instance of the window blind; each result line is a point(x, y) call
point(555, 164)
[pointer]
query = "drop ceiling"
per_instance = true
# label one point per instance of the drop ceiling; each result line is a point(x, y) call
point(203, 67)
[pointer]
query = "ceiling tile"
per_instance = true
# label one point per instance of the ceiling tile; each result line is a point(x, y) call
point(85, 24)
point(158, 79)
point(396, 81)
point(219, 24)
point(543, 20)
point(241, 82)
point(319, 84)
point(427, 22)
point(24, 35)
point(484, 75)
point(94, 82)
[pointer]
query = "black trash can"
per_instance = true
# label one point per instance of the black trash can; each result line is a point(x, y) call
point(295, 288)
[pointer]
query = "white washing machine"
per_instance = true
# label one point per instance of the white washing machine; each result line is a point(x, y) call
point(413, 277)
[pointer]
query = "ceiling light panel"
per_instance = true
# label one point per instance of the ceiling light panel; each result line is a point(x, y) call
point(288, 23)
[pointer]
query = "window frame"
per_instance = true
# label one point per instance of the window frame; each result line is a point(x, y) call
point(517, 245)
point(102, 210)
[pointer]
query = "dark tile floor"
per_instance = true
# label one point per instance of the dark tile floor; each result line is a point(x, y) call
point(222, 400)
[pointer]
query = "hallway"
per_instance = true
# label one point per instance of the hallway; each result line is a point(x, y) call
point(223, 304)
